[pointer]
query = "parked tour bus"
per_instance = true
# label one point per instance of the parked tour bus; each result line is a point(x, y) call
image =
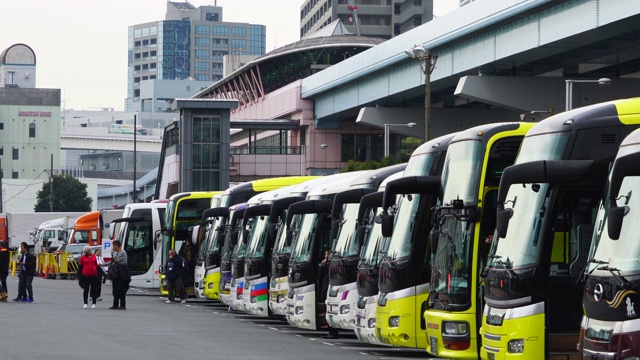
point(402, 284)
point(373, 246)
point(229, 247)
point(342, 294)
point(184, 210)
point(139, 232)
point(234, 195)
point(208, 226)
point(310, 235)
point(281, 249)
point(461, 237)
point(546, 205)
point(611, 277)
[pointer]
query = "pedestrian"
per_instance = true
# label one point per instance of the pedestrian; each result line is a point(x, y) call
point(27, 267)
point(101, 275)
point(121, 282)
point(4, 271)
point(89, 265)
point(323, 285)
point(174, 272)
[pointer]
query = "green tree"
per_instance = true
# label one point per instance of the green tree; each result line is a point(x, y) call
point(370, 164)
point(69, 194)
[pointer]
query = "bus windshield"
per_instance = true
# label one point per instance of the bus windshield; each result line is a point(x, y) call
point(258, 237)
point(452, 262)
point(405, 222)
point(280, 247)
point(375, 244)
point(461, 171)
point(420, 164)
point(346, 244)
point(520, 248)
point(301, 242)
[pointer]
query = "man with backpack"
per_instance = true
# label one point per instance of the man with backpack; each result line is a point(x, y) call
point(175, 269)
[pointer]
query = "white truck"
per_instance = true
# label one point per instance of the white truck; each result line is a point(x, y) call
point(23, 227)
point(52, 233)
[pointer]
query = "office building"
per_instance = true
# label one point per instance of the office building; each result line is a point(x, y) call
point(189, 43)
point(377, 18)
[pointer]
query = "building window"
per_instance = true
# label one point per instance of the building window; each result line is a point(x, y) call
point(238, 43)
point(32, 130)
point(221, 30)
point(202, 41)
point(202, 66)
point(202, 29)
point(14, 174)
point(238, 31)
point(1, 151)
point(202, 54)
point(218, 54)
point(16, 153)
point(1, 126)
point(220, 43)
point(212, 17)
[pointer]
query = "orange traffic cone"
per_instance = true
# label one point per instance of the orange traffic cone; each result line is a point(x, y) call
point(46, 273)
point(41, 273)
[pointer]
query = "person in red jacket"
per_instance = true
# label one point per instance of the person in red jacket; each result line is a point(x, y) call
point(89, 264)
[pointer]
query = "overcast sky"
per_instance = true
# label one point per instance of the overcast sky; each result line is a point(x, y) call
point(81, 45)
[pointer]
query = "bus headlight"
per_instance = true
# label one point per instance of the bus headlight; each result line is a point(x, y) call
point(516, 346)
point(239, 296)
point(455, 328)
point(226, 286)
point(299, 310)
point(394, 321)
point(210, 286)
point(333, 292)
point(371, 323)
point(281, 298)
point(344, 309)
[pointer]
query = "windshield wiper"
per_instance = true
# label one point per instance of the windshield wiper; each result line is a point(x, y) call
point(506, 266)
point(435, 299)
point(626, 284)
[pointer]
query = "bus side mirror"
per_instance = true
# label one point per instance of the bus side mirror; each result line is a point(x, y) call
point(502, 221)
point(387, 224)
point(614, 220)
point(234, 238)
point(335, 226)
point(287, 239)
point(272, 231)
point(360, 233)
point(434, 239)
point(112, 230)
point(245, 236)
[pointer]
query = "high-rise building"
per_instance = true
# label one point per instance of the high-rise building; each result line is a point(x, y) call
point(189, 44)
point(377, 18)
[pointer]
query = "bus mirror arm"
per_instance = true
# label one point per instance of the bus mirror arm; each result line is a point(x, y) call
point(335, 226)
point(360, 233)
point(289, 236)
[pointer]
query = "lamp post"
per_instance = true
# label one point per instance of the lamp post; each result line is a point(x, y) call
point(386, 135)
point(303, 159)
point(427, 63)
point(568, 94)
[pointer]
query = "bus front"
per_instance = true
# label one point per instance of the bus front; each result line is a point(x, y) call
point(256, 266)
point(403, 279)
point(612, 275)
point(463, 226)
point(209, 225)
point(227, 250)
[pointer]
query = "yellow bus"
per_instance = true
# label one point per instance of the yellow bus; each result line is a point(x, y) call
point(406, 219)
point(464, 221)
point(546, 205)
point(184, 210)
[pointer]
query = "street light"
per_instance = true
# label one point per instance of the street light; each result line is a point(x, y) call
point(427, 63)
point(568, 95)
point(386, 135)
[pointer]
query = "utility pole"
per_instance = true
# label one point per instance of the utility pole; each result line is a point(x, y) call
point(135, 155)
point(51, 186)
point(1, 208)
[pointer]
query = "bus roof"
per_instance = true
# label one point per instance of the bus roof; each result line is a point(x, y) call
point(373, 178)
point(487, 131)
point(434, 145)
point(333, 187)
